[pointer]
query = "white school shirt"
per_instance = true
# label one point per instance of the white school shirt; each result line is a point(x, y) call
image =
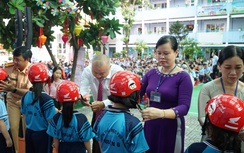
point(90, 84)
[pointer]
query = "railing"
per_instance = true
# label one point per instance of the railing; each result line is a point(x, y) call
point(208, 38)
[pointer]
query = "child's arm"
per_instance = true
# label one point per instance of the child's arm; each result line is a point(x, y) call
point(5, 133)
point(56, 144)
point(88, 146)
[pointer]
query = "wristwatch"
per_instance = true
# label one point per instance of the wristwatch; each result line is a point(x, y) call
point(14, 91)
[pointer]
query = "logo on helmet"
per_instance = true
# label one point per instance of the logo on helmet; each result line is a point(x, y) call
point(37, 78)
point(67, 97)
point(234, 122)
point(132, 84)
point(212, 108)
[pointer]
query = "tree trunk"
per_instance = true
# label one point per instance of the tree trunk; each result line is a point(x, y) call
point(76, 49)
point(51, 55)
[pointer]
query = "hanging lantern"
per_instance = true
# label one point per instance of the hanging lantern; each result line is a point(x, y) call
point(104, 39)
point(38, 44)
point(80, 42)
point(42, 39)
point(65, 38)
point(77, 30)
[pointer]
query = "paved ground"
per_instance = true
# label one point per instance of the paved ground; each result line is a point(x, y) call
point(192, 126)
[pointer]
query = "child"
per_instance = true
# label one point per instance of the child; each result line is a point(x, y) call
point(70, 129)
point(224, 120)
point(38, 108)
point(6, 144)
point(116, 128)
point(51, 87)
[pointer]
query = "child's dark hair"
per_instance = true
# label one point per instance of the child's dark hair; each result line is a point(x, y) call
point(67, 112)
point(224, 140)
point(129, 101)
point(37, 90)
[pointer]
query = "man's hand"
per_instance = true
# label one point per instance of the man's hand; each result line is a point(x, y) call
point(86, 100)
point(97, 105)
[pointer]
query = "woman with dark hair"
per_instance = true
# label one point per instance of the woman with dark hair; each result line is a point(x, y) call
point(224, 120)
point(230, 63)
point(169, 89)
point(51, 87)
point(70, 129)
point(38, 109)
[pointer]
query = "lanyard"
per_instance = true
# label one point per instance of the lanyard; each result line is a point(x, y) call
point(160, 79)
point(223, 87)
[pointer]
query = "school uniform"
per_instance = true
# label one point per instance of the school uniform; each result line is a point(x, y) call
point(37, 116)
point(119, 131)
point(203, 147)
point(4, 117)
point(72, 138)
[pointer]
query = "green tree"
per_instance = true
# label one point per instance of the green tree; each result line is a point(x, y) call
point(140, 46)
point(128, 13)
point(190, 48)
point(179, 30)
point(67, 14)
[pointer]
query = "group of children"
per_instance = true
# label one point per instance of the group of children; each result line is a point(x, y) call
point(116, 128)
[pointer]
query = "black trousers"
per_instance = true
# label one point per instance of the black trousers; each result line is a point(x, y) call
point(95, 144)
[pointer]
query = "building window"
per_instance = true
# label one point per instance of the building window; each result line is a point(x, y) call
point(160, 5)
point(190, 27)
point(216, 1)
point(215, 27)
point(60, 48)
point(64, 47)
point(159, 29)
point(139, 31)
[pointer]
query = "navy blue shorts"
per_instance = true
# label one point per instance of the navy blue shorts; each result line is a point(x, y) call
point(37, 142)
point(74, 147)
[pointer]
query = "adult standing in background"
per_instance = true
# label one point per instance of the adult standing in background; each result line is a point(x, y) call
point(17, 86)
point(215, 71)
point(95, 79)
point(170, 89)
point(230, 63)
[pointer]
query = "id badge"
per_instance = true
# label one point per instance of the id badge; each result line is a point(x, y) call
point(155, 96)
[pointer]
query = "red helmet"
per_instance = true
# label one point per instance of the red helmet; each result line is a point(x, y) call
point(38, 72)
point(3, 74)
point(68, 91)
point(226, 111)
point(123, 83)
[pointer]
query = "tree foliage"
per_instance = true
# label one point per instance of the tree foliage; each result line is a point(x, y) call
point(190, 48)
point(140, 46)
point(64, 13)
point(128, 13)
point(179, 30)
